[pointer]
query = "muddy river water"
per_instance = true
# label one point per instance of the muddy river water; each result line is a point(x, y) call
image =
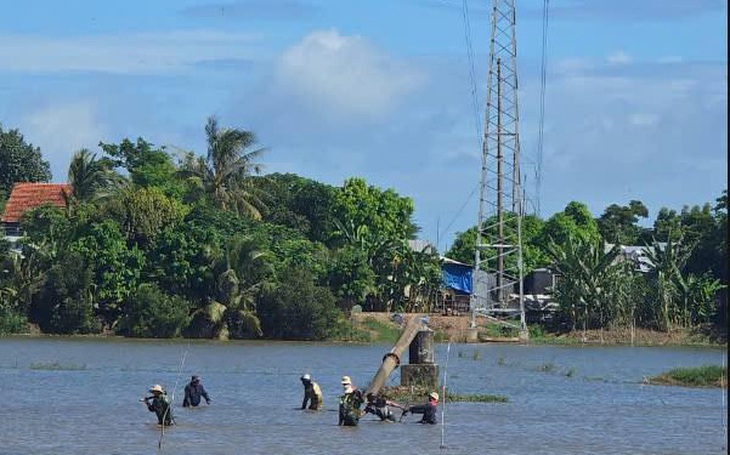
point(81, 396)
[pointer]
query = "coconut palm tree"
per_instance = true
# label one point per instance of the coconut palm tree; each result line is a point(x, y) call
point(241, 272)
point(90, 178)
point(225, 172)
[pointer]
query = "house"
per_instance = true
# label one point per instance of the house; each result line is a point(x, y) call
point(456, 287)
point(421, 246)
point(26, 196)
point(636, 254)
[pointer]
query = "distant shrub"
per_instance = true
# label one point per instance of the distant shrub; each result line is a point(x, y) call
point(704, 376)
point(297, 309)
point(150, 313)
point(12, 321)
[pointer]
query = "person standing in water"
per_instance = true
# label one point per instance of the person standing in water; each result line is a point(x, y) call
point(193, 392)
point(428, 409)
point(159, 403)
point(312, 393)
point(350, 403)
point(381, 408)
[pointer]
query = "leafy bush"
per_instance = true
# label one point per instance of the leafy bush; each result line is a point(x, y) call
point(150, 313)
point(297, 308)
point(11, 321)
point(65, 303)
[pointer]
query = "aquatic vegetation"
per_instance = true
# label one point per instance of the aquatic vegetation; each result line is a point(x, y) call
point(474, 398)
point(411, 395)
point(56, 366)
point(704, 376)
point(547, 367)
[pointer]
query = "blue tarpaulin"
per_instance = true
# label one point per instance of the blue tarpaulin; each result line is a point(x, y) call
point(457, 276)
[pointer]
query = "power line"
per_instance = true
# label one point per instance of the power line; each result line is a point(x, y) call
point(472, 72)
point(543, 79)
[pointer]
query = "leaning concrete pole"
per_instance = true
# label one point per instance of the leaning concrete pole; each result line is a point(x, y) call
point(391, 359)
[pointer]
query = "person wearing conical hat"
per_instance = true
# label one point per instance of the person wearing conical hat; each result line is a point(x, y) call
point(350, 403)
point(312, 393)
point(428, 409)
point(159, 403)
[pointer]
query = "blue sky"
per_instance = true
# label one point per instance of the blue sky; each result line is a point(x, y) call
point(636, 98)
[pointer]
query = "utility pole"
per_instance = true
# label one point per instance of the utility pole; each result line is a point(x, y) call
point(497, 278)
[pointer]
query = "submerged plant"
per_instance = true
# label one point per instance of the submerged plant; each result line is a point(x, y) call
point(55, 366)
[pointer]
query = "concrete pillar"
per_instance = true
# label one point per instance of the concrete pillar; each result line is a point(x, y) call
point(421, 370)
point(472, 335)
point(421, 348)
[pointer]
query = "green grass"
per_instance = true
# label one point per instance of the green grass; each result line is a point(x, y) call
point(55, 366)
point(493, 330)
point(384, 332)
point(704, 376)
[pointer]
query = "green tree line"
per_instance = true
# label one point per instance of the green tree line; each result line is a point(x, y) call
point(681, 282)
point(159, 244)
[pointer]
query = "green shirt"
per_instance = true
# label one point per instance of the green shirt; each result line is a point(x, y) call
point(160, 405)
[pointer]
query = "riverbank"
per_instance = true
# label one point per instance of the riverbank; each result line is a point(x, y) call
point(381, 327)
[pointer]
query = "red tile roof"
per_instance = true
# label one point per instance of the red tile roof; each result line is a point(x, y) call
point(26, 196)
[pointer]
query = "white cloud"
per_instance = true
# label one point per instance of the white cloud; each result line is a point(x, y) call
point(630, 130)
point(62, 129)
point(639, 119)
point(619, 58)
point(670, 59)
point(137, 53)
point(345, 75)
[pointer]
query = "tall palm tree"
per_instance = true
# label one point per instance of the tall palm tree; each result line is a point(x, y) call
point(90, 178)
point(225, 172)
point(240, 274)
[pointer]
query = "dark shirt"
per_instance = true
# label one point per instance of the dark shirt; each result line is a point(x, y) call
point(193, 392)
point(160, 405)
point(383, 412)
point(428, 410)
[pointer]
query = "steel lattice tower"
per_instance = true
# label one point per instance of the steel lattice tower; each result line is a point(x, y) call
point(498, 254)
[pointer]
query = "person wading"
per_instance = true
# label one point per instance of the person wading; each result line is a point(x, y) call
point(160, 405)
point(312, 393)
point(428, 409)
point(350, 403)
point(193, 392)
point(381, 408)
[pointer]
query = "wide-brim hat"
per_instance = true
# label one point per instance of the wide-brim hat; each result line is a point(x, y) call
point(434, 396)
point(156, 388)
point(346, 380)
